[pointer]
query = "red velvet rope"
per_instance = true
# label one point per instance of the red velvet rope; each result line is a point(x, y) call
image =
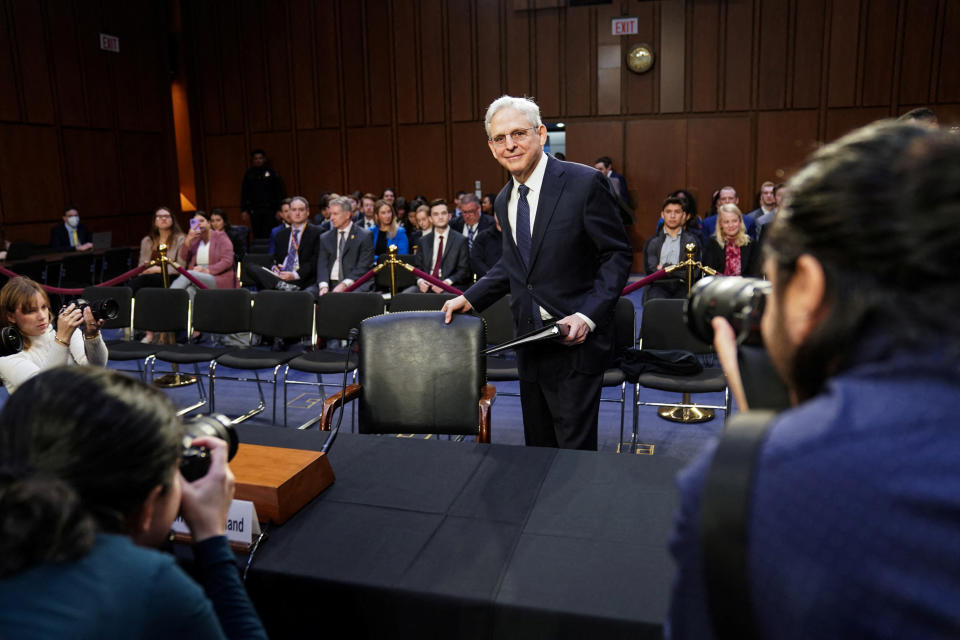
point(630, 288)
point(75, 292)
point(189, 276)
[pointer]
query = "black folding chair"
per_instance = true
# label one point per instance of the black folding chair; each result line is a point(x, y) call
point(158, 310)
point(419, 301)
point(282, 314)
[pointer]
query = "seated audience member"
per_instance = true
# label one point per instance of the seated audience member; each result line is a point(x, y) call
point(669, 247)
point(208, 256)
point(726, 195)
point(75, 340)
point(487, 249)
point(322, 219)
point(389, 196)
point(693, 224)
point(345, 252)
point(852, 499)
point(367, 216)
point(388, 231)
point(486, 203)
point(443, 253)
point(284, 215)
point(403, 213)
point(89, 483)
point(72, 235)
point(768, 203)
point(471, 220)
point(219, 222)
point(166, 231)
point(421, 218)
point(730, 250)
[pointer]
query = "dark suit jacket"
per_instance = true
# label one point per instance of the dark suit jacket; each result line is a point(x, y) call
point(357, 256)
point(307, 254)
point(455, 265)
point(484, 223)
point(487, 249)
point(60, 241)
point(715, 256)
point(579, 260)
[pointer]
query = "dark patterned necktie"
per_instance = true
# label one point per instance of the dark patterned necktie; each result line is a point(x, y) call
point(523, 224)
point(291, 262)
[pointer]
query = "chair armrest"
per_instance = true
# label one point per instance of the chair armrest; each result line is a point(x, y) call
point(352, 392)
point(487, 395)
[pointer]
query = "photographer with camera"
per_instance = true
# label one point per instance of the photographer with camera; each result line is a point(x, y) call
point(89, 481)
point(76, 339)
point(846, 526)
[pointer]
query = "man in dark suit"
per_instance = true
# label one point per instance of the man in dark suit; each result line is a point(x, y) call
point(297, 248)
point(565, 258)
point(72, 235)
point(346, 250)
point(471, 221)
point(443, 253)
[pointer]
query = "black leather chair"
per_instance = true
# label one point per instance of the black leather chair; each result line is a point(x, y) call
point(663, 327)
point(418, 301)
point(625, 321)
point(501, 367)
point(419, 375)
point(337, 314)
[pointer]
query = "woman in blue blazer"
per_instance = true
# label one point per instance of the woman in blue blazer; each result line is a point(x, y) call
point(388, 231)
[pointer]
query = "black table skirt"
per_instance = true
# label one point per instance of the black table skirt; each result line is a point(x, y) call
point(437, 539)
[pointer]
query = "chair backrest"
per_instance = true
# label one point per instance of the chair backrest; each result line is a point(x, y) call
point(283, 314)
point(663, 326)
point(222, 310)
point(253, 261)
point(34, 269)
point(418, 301)
point(124, 299)
point(116, 262)
point(76, 269)
point(625, 321)
point(337, 313)
point(158, 309)
point(420, 375)
point(499, 319)
point(404, 278)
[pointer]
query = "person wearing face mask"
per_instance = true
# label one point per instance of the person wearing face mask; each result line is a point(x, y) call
point(75, 340)
point(72, 235)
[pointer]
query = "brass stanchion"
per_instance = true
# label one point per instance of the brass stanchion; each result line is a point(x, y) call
point(392, 261)
point(688, 414)
point(174, 378)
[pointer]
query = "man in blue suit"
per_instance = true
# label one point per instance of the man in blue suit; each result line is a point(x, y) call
point(565, 258)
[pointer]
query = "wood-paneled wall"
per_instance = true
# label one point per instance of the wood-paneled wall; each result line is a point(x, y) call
point(364, 94)
point(83, 126)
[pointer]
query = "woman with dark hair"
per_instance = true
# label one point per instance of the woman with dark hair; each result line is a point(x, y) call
point(76, 339)
point(208, 256)
point(165, 230)
point(219, 222)
point(486, 204)
point(388, 231)
point(89, 481)
point(730, 251)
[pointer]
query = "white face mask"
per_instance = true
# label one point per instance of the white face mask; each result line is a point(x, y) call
point(73, 221)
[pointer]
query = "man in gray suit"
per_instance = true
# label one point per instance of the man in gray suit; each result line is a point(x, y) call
point(346, 250)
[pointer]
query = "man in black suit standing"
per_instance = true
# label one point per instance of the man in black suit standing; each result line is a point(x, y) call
point(346, 250)
point(72, 235)
point(565, 258)
point(443, 253)
point(297, 247)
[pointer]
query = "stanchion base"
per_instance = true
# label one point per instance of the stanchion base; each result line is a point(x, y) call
point(685, 414)
point(170, 380)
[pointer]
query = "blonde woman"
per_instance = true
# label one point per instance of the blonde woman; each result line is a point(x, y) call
point(730, 250)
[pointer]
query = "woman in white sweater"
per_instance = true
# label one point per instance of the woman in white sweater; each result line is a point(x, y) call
point(76, 340)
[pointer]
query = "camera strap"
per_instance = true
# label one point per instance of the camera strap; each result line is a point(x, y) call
point(725, 523)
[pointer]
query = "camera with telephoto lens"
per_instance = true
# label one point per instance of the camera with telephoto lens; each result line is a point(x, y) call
point(10, 341)
point(195, 461)
point(739, 300)
point(104, 309)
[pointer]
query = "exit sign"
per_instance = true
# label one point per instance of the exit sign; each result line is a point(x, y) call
point(624, 26)
point(109, 43)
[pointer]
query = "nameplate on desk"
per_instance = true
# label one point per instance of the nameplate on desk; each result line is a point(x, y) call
point(242, 523)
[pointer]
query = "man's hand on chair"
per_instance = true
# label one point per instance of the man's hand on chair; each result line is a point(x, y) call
point(455, 305)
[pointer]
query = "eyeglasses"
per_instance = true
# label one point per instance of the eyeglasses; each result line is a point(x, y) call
point(517, 136)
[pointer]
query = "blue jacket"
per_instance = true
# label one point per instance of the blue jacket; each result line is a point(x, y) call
point(403, 247)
